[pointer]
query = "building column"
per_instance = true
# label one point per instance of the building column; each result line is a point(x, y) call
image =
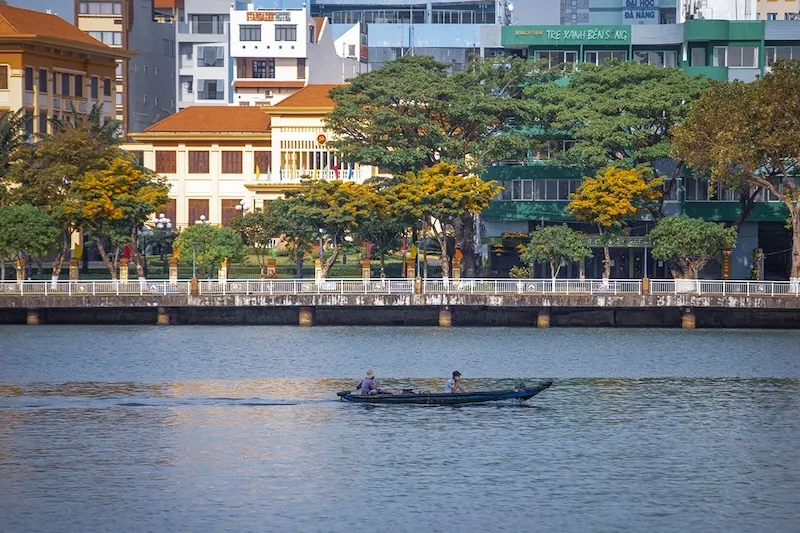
point(543, 318)
point(445, 317)
point(306, 317)
point(163, 316)
point(32, 318)
point(74, 269)
point(688, 320)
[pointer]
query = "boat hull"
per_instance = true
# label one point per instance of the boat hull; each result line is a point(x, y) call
point(441, 398)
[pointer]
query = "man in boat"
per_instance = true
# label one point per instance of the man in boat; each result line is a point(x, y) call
point(367, 385)
point(454, 384)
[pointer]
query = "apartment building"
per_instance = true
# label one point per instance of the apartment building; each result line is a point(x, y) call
point(145, 82)
point(778, 10)
point(46, 63)
point(216, 156)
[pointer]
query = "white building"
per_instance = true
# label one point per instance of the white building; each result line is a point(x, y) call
point(276, 52)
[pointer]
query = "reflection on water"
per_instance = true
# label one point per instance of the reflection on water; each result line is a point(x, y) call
point(605, 454)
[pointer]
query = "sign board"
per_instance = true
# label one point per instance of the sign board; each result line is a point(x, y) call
point(640, 11)
point(566, 35)
point(618, 242)
point(269, 16)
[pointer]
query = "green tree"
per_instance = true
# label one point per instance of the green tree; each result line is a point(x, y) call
point(621, 114)
point(25, 232)
point(108, 131)
point(260, 230)
point(689, 243)
point(556, 245)
point(335, 208)
point(438, 196)
point(612, 198)
point(743, 137)
point(296, 231)
point(111, 205)
point(212, 244)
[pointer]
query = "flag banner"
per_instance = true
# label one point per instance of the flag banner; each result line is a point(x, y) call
point(258, 173)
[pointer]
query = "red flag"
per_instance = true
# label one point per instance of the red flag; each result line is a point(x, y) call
point(336, 170)
point(126, 252)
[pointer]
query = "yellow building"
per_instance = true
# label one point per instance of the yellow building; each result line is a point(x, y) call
point(216, 157)
point(778, 9)
point(45, 62)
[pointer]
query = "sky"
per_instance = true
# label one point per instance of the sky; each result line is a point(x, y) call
point(63, 7)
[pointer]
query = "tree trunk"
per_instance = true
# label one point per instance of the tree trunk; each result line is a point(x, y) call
point(747, 201)
point(58, 262)
point(2, 269)
point(465, 237)
point(795, 213)
point(328, 264)
point(298, 264)
point(104, 256)
point(554, 270)
point(383, 264)
point(138, 259)
point(606, 263)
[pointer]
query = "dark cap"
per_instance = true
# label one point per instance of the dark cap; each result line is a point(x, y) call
point(456, 373)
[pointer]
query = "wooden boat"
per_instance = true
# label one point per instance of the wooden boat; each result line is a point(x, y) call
point(408, 396)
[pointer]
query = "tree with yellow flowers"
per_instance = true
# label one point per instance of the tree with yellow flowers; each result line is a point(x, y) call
point(438, 196)
point(612, 198)
point(110, 205)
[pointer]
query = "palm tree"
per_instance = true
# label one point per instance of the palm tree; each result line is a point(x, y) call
point(108, 131)
point(12, 137)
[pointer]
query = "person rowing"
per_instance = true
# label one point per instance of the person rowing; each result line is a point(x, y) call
point(454, 384)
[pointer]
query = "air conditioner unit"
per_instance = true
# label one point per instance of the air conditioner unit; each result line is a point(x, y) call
point(268, 93)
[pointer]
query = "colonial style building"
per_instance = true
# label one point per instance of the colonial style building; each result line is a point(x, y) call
point(216, 158)
point(46, 63)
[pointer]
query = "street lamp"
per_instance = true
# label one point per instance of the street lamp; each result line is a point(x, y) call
point(243, 206)
point(143, 233)
point(164, 224)
point(202, 220)
point(321, 232)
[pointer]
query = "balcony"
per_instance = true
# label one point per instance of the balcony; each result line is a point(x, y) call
point(207, 29)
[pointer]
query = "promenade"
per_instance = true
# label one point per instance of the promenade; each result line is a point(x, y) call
point(540, 302)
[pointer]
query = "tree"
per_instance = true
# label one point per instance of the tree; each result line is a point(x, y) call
point(744, 137)
point(334, 208)
point(25, 231)
point(621, 114)
point(44, 174)
point(438, 196)
point(260, 230)
point(112, 205)
point(610, 199)
point(212, 245)
point(556, 245)
point(689, 243)
point(298, 233)
point(108, 131)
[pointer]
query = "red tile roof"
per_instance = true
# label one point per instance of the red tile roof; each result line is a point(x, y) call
point(312, 96)
point(214, 119)
point(25, 22)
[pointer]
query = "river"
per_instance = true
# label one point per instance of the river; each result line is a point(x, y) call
point(237, 429)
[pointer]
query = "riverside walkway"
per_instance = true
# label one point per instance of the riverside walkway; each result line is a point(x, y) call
point(400, 301)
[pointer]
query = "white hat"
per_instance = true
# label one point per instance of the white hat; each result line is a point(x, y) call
point(370, 373)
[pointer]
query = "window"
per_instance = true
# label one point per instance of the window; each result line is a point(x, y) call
point(144, 99)
point(228, 210)
point(210, 56)
point(169, 48)
point(155, 71)
point(43, 122)
point(555, 58)
point(658, 59)
point(772, 16)
point(65, 84)
point(262, 162)
point(100, 8)
point(351, 50)
point(166, 162)
point(42, 80)
point(208, 24)
point(250, 32)
point(735, 56)
point(698, 57)
point(198, 162)
point(79, 85)
point(602, 57)
point(111, 38)
point(774, 53)
point(119, 69)
point(171, 209)
point(527, 190)
point(4, 77)
point(231, 162)
point(210, 90)
point(28, 78)
point(197, 208)
point(106, 87)
point(264, 68)
point(312, 34)
point(118, 99)
point(285, 32)
point(155, 101)
point(696, 190)
point(301, 68)
point(93, 88)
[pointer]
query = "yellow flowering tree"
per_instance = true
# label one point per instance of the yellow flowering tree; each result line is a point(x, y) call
point(610, 199)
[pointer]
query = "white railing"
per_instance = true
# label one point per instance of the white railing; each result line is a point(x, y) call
point(533, 286)
point(402, 286)
point(725, 287)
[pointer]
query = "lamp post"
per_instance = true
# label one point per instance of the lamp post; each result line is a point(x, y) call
point(242, 207)
point(202, 220)
point(143, 233)
point(164, 224)
point(321, 232)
